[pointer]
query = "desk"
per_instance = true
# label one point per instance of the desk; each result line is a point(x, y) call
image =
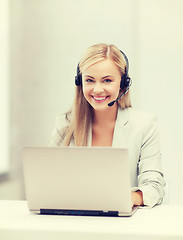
point(161, 222)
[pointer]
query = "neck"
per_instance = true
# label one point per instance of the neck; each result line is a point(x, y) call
point(104, 117)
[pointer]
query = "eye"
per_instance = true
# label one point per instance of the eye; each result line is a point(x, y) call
point(107, 80)
point(89, 80)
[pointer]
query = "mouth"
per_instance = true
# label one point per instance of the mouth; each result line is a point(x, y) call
point(99, 99)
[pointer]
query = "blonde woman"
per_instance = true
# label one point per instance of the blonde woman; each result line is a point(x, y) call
point(102, 115)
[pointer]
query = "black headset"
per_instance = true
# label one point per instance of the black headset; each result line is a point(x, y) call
point(125, 79)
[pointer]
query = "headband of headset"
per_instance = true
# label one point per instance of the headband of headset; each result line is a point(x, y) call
point(125, 79)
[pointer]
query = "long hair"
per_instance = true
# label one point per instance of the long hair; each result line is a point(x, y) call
point(80, 116)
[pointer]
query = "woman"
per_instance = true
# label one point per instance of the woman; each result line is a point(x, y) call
point(102, 115)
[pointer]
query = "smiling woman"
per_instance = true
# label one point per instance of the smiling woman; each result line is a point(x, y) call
point(98, 61)
point(102, 116)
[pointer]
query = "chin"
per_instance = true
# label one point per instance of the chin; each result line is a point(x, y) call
point(100, 108)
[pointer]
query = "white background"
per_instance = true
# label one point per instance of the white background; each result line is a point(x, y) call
point(47, 38)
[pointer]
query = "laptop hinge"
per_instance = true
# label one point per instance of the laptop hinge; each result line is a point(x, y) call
point(35, 211)
point(79, 212)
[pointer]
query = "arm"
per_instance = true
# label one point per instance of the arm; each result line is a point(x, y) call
point(150, 177)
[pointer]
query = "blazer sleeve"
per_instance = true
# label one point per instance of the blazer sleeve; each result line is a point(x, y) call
point(150, 177)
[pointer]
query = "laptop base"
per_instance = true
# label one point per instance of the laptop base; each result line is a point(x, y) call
point(79, 212)
point(69, 212)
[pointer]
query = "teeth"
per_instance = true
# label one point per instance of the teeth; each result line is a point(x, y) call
point(99, 98)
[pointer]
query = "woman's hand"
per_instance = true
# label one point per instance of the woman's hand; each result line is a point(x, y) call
point(137, 198)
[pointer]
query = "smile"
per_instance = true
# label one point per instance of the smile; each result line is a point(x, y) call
point(100, 98)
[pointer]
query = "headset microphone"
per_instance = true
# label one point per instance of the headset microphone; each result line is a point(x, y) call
point(112, 103)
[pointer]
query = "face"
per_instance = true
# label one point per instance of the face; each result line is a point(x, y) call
point(101, 84)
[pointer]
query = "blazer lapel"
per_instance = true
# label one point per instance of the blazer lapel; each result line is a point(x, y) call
point(121, 130)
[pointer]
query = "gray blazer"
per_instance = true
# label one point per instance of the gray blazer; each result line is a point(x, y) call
point(137, 131)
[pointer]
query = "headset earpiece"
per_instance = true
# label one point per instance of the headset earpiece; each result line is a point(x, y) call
point(78, 80)
point(125, 81)
point(78, 77)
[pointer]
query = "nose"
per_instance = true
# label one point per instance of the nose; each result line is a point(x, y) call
point(98, 88)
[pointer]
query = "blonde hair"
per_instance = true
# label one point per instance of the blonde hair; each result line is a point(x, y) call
point(79, 118)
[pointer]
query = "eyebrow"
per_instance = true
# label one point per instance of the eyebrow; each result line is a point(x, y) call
point(101, 78)
point(107, 76)
point(89, 76)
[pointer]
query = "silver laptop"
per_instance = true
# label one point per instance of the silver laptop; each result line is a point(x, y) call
point(87, 181)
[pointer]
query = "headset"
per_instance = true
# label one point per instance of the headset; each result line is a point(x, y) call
point(125, 79)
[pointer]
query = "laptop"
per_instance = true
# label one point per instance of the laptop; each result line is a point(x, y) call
point(84, 181)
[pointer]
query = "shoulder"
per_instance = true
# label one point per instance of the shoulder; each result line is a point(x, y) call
point(137, 119)
point(137, 116)
point(58, 132)
point(62, 121)
point(143, 122)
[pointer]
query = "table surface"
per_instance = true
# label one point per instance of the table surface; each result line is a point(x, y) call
point(160, 222)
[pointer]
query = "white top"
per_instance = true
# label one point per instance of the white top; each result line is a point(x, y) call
point(160, 222)
point(137, 131)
